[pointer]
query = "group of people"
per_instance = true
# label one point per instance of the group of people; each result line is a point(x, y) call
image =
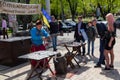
point(106, 36)
point(93, 29)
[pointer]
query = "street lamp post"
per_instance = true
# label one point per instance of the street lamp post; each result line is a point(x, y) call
point(48, 6)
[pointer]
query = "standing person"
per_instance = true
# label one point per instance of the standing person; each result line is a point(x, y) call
point(78, 36)
point(110, 41)
point(4, 28)
point(100, 30)
point(38, 35)
point(91, 38)
point(53, 31)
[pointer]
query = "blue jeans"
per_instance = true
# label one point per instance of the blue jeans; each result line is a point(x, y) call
point(101, 49)
point(54, 42)
point(92, 46)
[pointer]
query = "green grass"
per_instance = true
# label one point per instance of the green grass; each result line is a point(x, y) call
point(9, 31)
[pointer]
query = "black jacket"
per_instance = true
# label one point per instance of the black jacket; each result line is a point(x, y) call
point(101, 28)
point(53, 27)
point(76, 35)
point(91, 33)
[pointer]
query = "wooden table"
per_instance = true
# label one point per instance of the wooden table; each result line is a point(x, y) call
point(39, 55)
point(13, 47)
point(71, 54)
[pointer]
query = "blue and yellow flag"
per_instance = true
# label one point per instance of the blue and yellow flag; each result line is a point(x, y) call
point(44, 12)
point(46, 17)
point(45, 21)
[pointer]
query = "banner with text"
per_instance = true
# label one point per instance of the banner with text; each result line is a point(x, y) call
point(19, 8)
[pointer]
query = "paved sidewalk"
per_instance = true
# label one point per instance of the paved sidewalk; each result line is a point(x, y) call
point(85, 72)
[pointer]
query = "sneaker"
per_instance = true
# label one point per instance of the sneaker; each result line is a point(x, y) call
point(97, 66)
point(111, 66)
point(87, 54)
point(54, 49)
point(107, 68)
point(103, 63)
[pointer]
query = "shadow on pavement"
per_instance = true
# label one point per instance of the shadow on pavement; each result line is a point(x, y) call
point(113, 74)
point(93, 58)
point(71, 72)
point(16, 76)
point(14, 68)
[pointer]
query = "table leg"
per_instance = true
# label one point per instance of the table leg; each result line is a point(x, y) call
point(75, 59)
point(76, 62)
point(39, 74)
point(71, 65)
point(33, 69)
point(49, 67)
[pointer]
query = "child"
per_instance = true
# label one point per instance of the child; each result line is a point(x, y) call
point(91, 37)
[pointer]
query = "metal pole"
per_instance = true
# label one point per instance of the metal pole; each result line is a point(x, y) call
point(48, 6)
point(62, 9)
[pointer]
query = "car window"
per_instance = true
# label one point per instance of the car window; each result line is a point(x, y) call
point(118, 19)
point(63, 24)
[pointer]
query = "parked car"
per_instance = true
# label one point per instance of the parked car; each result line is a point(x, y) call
point(104, 22)
point(65, 28)
point(70, 23)
point(117, 22)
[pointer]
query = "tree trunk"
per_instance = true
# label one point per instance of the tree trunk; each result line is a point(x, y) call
point(27, 1)
point(102, 12)
point(18, 1)
point(73, 7)
point(62, 9)
point(73, 17)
